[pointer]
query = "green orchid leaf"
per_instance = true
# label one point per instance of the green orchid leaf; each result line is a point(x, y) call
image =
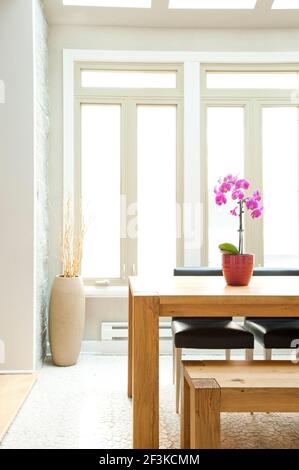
point(229, 248)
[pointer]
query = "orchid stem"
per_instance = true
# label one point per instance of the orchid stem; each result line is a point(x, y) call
point(241, 229)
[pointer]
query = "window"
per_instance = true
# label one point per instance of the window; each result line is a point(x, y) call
point(110, 3)
point(129, 173)
point(213, 4)
point(101, 188)
point(127, 79)
point(250, 126)
point(129, 127)
point(285, 5)
point(225, 138)
point(156, 177)
point(271, 80)
point(280, 179)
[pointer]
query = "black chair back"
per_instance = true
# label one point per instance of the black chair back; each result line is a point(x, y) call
point(205, 271)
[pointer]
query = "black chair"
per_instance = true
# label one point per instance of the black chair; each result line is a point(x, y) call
point(278, 332)
point(206, 332)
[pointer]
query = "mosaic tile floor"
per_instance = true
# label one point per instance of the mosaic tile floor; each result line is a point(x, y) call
point(86, 407)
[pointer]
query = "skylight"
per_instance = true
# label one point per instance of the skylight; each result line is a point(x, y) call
point(110, 3)
point(285, 5)
point(212, 4)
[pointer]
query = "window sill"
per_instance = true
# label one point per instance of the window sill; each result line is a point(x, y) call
point(111, 292)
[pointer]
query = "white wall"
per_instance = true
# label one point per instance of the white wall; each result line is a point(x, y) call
point(81, 37)
point(17, 186)
point(91, 37)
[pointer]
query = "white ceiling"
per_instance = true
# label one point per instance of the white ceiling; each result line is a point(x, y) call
point(159, 16)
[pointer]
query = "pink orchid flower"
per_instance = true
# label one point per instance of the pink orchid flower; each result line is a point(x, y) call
point(236, 187)
point(220, 198)
point(242, 183)
point(225, 187)
point(257, 213)
point(252, 203)
point(257, 195)
point(234, 211)
point(238, 194)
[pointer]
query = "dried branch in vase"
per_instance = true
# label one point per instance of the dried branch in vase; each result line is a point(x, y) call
point(72, 243)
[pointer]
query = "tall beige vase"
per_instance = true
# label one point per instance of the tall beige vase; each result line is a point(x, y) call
point(66, 320)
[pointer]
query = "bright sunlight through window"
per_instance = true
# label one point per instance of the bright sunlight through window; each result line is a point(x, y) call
point(100, 184)
point(266, 80)
point(110, 3)
point(285, 5)
point(127, 79)
point(212, 4)
point(280, 170)
point(156, 179)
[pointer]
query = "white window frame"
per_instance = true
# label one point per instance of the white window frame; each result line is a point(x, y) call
point(126, 92)
point(253, 101)
point(129, 99)
point(193, 192)
point(246, 92)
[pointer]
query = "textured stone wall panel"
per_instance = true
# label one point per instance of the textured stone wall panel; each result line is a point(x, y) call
point(41, 180)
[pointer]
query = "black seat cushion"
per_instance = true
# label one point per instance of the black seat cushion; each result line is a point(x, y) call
point(210, 333)
point(273, 332)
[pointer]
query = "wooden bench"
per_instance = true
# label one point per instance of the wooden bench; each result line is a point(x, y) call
point(211, 387)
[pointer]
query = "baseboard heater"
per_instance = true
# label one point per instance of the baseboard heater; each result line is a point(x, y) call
point(118, 331)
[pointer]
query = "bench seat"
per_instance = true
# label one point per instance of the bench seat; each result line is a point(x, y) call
point(212, 387)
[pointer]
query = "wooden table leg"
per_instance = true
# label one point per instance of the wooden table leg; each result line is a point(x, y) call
point(146, 372)
point(185, 414)
point(130, 342)
point(205, 414)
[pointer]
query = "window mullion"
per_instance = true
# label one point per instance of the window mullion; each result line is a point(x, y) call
point(123, 192)
point(254, 172)
point(204, 184)
point(180, 254)
point(298, 160)
point(131, 184)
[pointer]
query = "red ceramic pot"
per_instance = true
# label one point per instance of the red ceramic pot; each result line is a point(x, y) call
point(237, 269)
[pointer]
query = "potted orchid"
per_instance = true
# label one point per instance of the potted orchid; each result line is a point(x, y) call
point(238, 267)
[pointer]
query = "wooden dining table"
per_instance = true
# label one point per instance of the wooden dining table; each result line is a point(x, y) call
point(152, 298)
